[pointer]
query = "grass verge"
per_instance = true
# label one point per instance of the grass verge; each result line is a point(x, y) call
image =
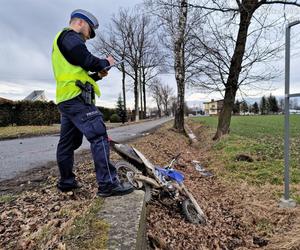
point(12, 132)
point(261, 138)
point(88, 231)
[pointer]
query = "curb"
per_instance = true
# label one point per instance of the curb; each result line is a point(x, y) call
point(126, 217)
point(191, 135)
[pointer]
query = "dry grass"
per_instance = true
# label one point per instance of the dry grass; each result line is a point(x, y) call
point(11, 132)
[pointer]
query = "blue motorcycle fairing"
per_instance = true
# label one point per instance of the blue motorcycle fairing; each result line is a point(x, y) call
point(173, 174)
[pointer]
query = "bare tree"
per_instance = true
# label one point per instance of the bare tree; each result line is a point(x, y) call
point(130, 38)
point(173, 25)
point(227, 59)
point(115, 44)
point(151, 65)
point(238, 61)
point(173, 104)
point(163, 96)
point(179, 65)
point(214, 45)
point(157, 94)
point(166, 94)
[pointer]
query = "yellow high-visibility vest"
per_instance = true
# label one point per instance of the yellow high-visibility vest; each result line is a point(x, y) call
point(66, 74)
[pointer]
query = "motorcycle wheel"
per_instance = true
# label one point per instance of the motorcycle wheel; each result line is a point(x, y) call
point(191, 213)
point(126, 172)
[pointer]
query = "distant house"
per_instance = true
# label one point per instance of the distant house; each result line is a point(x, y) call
point(4, 100)
point(36, 95)
point(213, 107)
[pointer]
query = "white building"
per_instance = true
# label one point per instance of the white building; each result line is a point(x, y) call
point(36, 95)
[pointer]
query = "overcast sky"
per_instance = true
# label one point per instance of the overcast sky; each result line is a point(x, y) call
point(27, 31)
point(28, 28)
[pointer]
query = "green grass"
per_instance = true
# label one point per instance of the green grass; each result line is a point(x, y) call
point(262, 138)
point(296, 197)
point(256, 126)
point(7, 198)
point(88, 231)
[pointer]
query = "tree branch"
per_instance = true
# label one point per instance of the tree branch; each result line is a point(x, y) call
point(279, 2)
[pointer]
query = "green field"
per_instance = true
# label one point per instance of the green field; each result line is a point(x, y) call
point(257, 126)
point(261, 138)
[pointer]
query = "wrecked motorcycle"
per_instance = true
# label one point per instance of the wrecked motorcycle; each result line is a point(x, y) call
point(165, 182)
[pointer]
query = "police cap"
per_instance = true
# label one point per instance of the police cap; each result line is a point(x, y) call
point(88, 17)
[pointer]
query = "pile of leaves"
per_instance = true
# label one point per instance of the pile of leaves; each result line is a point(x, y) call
point(34, 213)
point(238, 215)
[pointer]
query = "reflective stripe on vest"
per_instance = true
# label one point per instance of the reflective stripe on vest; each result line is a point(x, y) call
point(66, 74)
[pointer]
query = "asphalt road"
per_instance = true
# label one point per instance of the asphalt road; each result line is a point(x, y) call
point(19, 155)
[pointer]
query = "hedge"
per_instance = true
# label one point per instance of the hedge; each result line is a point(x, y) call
point(107, 113)
point(35, 113)
point(115, 118)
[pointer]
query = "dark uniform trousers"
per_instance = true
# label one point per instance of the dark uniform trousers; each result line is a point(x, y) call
point(78, 119)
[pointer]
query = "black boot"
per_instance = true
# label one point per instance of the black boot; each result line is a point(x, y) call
point(66, 187)
point(116, 190)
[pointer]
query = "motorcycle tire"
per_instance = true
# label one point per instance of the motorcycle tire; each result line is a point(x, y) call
point(124, 170)
point(191, 213)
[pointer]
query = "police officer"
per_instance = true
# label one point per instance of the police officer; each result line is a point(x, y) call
point(75, 92)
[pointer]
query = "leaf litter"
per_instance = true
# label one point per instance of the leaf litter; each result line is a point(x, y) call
point(239, 215)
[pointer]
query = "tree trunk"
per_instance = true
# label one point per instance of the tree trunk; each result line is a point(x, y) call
point(136, 98)
point(123, 87)
point(159, 111)
point(166, 110)
point(246, 12)
point(141, 95)
point(179, 113)
point(144, 95)
point(225, 115)
point(179, 66)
